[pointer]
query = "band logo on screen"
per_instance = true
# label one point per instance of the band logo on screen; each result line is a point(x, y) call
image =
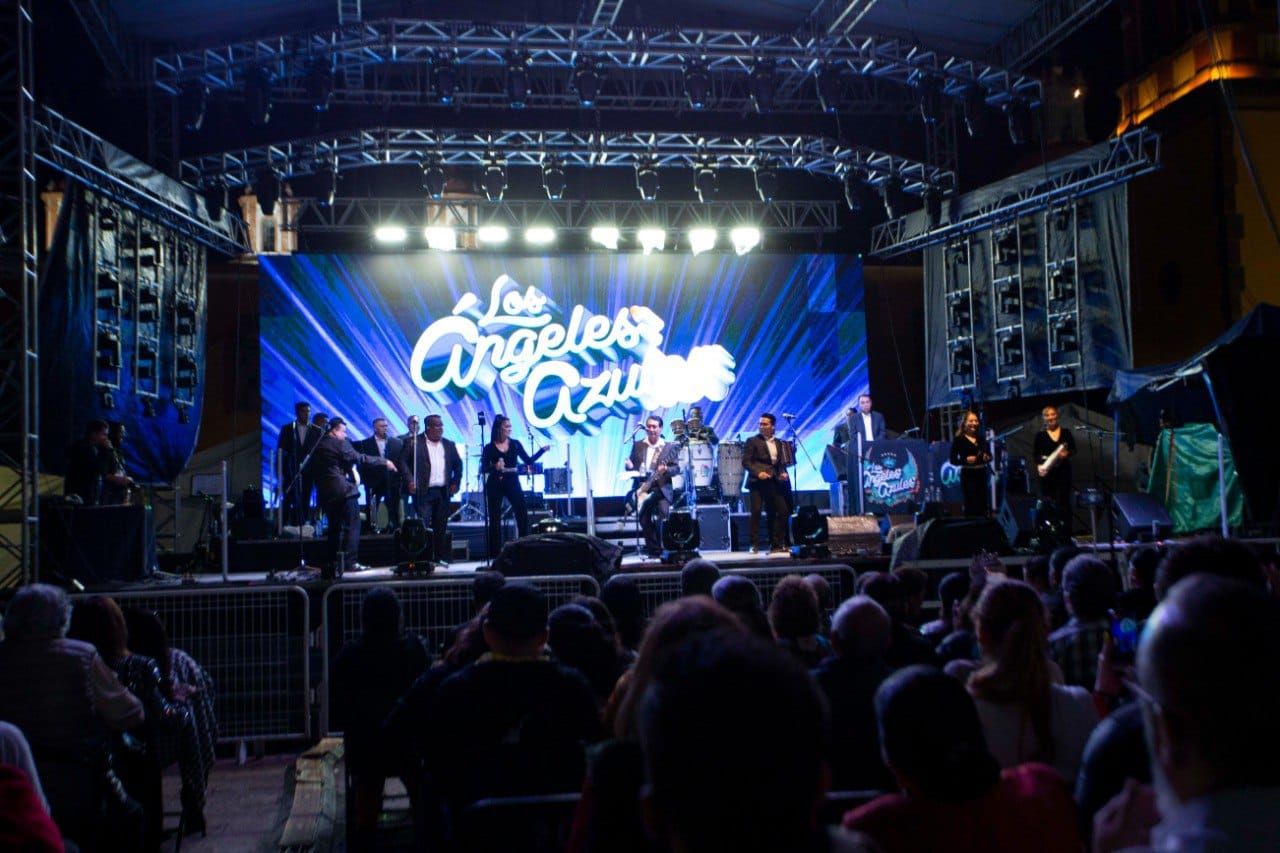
point(574, 371)
point(891, 476)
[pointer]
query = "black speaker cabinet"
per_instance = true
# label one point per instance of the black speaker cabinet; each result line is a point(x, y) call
point(1140, 517)
point(95, 545)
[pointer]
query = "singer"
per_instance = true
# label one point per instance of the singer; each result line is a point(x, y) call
point(498, 463)
point(971, 457)
point(766, 459)
point(1055, 483)
point(431, 470)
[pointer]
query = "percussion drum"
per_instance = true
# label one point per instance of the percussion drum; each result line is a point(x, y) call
point(698, 466)
point(729, 468)
point(557, 481)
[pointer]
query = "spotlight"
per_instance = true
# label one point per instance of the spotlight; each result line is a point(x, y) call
point(652, 239)
point(108, 349)
point(539, 235)
point(492, 234)
point(331, 194)
point(681, 537)
point(389, 234)
point(647, 179)
point(809, 533)
point(702, 240)
point(1063, 337)
point(605, 235)
point(1009, 349)
point(704, 182)
point(697, 84)
point(433, 179)
point(517, 81)
point(854, 190)
point(830, 85)
point(961, 362)
point(494, 180)
point(1018, 117)
point(266, 186)
point(553, 180)
point(744, 238)
point(767, 180)
point(257, 95)
point(930, 98)
point(442, 238)
point(894, 198)
point(193, 100)
point(933, 206)
point(444, 79)
point(586, 80)
point(763, 83)
point(319, 83)
point(414, 544)
point(974, 107)
point(215, 200)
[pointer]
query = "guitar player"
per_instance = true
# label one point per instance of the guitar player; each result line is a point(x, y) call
point(1053, 449)
point(655, 458)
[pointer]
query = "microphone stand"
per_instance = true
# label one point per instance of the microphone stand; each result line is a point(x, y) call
point(484, 493)
point(297, 478)
point(634, 485)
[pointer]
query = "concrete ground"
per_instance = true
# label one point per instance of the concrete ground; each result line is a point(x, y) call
point(246, 809)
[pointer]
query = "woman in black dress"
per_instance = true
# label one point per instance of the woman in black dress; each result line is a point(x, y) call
point(498, 463)
point(1055, 482)
point(971, 457)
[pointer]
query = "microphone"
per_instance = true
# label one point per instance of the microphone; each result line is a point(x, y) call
point(480, 415)
point(910, 431)
point(789, 416)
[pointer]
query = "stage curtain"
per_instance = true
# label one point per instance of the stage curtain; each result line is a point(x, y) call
point(1184, 476)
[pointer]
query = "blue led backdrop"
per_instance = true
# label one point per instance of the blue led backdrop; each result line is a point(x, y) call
point(575, 349)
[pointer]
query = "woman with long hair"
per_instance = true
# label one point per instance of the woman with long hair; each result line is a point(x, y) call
point(1026, 715)
point(971, 457)
point(498, 464)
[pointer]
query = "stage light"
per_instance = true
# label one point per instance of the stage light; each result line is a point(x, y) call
point(1018, 117)
point(442, 238)
point(763, 83)
point(894, 198)
point(433, 179)
point(766, 174)
point(319, 83)
point(257, 95)
point(974, 108)
point(389, 234)
point(492, 234)
point(930, 98)
point(697, 84)
point(744, 238)
point(193, 100)
point(647, 179)
point(809, 533)
point(553, 180)
point(605, 235)
point(414, 545)
point(494, 181)
point(444, 79)
point(854, 190)
point(266, 186)
point(932, 199)
point(702, 240)
point(652, 239)
point(704, 182)
point(517, 81)
point(331, 186)
point(215, 200)
point(539, 235)
point(586, 80)
point(681, 537)
point(830, 85)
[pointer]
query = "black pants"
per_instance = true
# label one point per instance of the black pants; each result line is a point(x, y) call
point(343, 535)
point(495, 489)
point(1057, 488)
point(655, 508)
point(434, 510)
point(973, 483)
point(772, 496)
point(390, 493)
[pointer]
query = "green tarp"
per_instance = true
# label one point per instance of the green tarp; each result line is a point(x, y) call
point(1184, 476)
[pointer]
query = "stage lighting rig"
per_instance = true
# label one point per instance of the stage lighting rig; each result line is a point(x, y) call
point(494, 179)
point(193, 101)
point(517, 80)
point(444, 79)
point(652, 239)
point(331, 186)
point(854, 190)
point(605, 235)
point(681, 537)
point(1018, 117)
point(809, 533)
point(763, 84)
point(1009, 348)
point(492, 235)
point(974, 111)
point(215, 200)
point(958, 309)
point(539, 235)
point(697, 84)
point(701, 239)
point(319, 83)
point(257, 95)
point(647, 179)
point(830, 85)
point(586, 80)
point(390, 234)
point(441, 238)
point(961, 353)
point(266, 186)
point(433, 179)
point(414, 545)
point(744, 238)
point(553, 179)
point(895, 198)
point(1063, 337)
point(704, 181)
point(766, 174)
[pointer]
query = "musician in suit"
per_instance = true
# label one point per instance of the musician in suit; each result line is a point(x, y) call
point(864, 420)
point(646, 457)
point(431, 470)
point(971, 456)
point(297, 439)
point(766, 458)
point(379, 484)
point(333, 463)
point(498, 463)
point(1055, 484)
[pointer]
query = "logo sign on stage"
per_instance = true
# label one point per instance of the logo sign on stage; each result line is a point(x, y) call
point(891, 475)
point(570, 368)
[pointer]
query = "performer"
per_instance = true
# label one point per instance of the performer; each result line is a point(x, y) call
point(431, 470)
point(378, 483)
point(406, 440)
point(116, 483)
point(1055, 481)
point(870, 423)
point(697, 430)
point(970, 455)
point(297, 438)
point(90, 465)
point(334, 459)
point(766, 459)
point(646, 457)
point(498, 463)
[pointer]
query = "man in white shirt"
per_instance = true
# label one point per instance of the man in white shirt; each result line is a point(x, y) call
point(646, 457)
point(861, 419)
point(766, 458)
point(431, 470)
point(379, 484)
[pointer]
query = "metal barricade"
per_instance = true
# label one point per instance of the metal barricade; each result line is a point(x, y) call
point(432, 607)
point(657, 588)
point(253, 643)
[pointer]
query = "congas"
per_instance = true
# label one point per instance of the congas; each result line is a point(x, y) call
point(729, 468)
point(701, 459)
point(557, 481)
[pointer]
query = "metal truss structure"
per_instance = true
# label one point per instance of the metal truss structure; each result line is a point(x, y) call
point(1046, 27)
point(814, 154)
point(115, 47)
point(362, 215)
point(1114, 162)
point(618, 52)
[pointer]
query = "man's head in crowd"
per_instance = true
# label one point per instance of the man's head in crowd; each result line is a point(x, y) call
point(708, 789)
point(1143, 562)
point(484, 586)
point(951, 591)
point(515, 625)
point(861, 629)
point(38, 611)
point(1088, 588)
point(1226, 558)
point(913, 584)
point(1058, 563)
point(1207, 661)
point(98, 433)
point(380, 613)
point(698, 576)
point(1036, 572)
point(793, 609)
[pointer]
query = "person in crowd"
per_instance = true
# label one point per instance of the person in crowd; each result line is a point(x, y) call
point(514, 722)
point(826, 599)
point(604, 618)
point(380, 486)
point(498, 465)
point(1089, 590)
point(951, 591)
point(369, 674)
point(766, 458)
point(621, 595)
point(712, 695)
point(866, 421)
point(578, 641)
point(908, 647)
point(860, 636)
point(1228, 558)
point(431, 471)
point(1054, 600)
point(913, 583)
point(796, 619)
point(1053, 448)
point(972, 457)
point(91, 465)
point(742, 597)
point(954, 795)
point(25, 823)
point(1026, 715)
point(296, 441)
point(1036, 573)
point(1209, 709)
point(332, 465)
point(1139, 599)
point(65, 699)
point(698, 576)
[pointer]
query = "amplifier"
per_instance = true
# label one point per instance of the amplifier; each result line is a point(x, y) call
point(713, 523)
point(853, 534)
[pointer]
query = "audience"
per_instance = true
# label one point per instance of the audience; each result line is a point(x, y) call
point(24, 814)
point(698, 576)
point(860, 636)
point(1053, 599)
point(954, 796)
point(908, 647)
point(578, 641)
point(796, 619)
point(598, 609)
point(913, 584)
point(951, 589)
point(1036, 573)
point(1088, 588)
point(826, 599)
point(621, 595)
point(742, 597)
point(1139, 599)
point(1024, 714)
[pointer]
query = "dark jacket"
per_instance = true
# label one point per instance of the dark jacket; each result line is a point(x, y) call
point(369, 675)
point(294, 451)
point(331, 468)
point(850, 685)
point(755, 458)
point(376, 477)
point(452, 464)
point(639, 452)
point(877, 428)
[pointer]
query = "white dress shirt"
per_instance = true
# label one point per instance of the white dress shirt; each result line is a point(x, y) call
point(435, 455)
point(866, 426)
point(651, 455)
